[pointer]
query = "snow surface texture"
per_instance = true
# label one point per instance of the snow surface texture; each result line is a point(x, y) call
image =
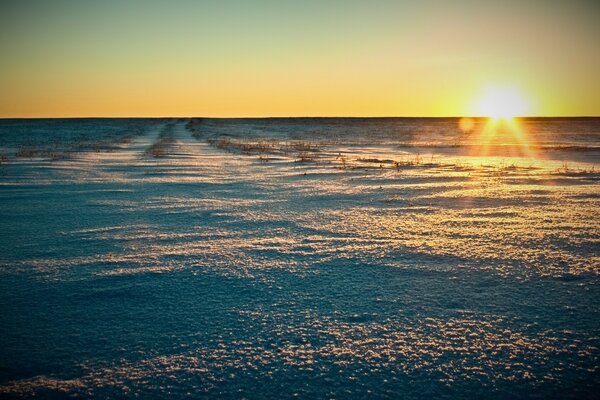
point(311, 258)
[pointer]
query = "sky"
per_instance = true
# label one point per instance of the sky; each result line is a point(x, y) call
point(229, 58)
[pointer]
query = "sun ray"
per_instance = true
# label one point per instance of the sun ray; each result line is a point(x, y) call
point(503, 133)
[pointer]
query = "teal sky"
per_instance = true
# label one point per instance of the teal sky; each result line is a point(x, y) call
point(269, 58)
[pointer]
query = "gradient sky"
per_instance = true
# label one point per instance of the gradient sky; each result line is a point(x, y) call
point(294, 58)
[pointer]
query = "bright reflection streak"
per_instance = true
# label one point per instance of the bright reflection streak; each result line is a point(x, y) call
point(505, 136)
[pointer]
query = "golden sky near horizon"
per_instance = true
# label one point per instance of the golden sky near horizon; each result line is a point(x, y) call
point(290, 58)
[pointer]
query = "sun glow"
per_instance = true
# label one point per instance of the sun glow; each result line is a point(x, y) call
point(502, 134)
point(501, 102)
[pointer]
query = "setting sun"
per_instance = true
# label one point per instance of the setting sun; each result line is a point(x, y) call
point(501, 102)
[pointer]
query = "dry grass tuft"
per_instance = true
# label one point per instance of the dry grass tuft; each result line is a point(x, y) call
point(27, 152)
point(165, 139)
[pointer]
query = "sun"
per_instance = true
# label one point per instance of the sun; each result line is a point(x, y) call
point(501, 102)
point(501, 133)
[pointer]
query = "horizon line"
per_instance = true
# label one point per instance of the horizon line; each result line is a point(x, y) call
point(295, 117)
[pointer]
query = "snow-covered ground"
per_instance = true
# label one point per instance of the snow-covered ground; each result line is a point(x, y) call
point(300, 257)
